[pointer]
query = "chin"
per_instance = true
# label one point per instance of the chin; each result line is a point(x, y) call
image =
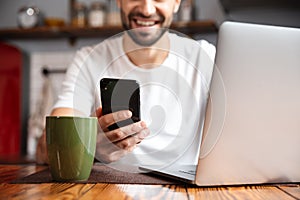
point(146, 37)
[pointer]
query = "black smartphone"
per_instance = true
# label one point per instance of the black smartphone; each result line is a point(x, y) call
point(120, 94)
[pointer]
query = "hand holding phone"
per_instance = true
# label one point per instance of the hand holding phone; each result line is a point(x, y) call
point(120, 94)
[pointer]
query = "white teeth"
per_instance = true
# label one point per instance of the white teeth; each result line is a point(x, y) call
point(145, 23)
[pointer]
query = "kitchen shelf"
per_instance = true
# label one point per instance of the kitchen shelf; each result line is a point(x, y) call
point(188, 28)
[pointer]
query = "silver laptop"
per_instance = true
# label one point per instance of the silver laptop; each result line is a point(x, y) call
point(252, 127)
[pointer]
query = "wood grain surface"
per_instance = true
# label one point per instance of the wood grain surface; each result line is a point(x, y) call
point(104, 191)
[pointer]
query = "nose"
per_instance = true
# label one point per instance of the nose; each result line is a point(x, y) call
point(147, 7)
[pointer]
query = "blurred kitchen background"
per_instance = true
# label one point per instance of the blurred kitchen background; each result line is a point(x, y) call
point(38, 39)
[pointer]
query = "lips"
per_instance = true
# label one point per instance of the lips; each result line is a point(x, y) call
point(139, 20)
point(145, 23)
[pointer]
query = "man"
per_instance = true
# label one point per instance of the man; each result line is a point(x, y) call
point(174, 73)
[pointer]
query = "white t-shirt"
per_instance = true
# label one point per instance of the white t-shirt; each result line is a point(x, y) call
point(173, 95)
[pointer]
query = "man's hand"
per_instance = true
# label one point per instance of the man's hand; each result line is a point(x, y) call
point(41, 151)
point(113, 145)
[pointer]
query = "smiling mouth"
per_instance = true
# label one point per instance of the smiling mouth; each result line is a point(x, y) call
point(145, 23)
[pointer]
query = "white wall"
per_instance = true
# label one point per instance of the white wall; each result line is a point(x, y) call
point(43, 91)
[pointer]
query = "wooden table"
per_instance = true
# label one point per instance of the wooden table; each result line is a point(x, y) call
point(10, 172)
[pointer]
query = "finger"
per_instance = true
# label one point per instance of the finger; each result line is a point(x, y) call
point(124, 132)
point(103, 141)
point(99, 112)
point(128, 143)
point(109, 119)
point(142, 134)
point(110, 152)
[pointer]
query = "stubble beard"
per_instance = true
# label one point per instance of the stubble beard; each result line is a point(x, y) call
point(140, 37)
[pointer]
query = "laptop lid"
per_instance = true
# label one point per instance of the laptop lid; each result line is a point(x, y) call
point(252, 127)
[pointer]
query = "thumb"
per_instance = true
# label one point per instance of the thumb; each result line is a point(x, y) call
point(99, 112)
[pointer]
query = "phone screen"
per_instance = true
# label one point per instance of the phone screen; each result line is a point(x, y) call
point(120, 94)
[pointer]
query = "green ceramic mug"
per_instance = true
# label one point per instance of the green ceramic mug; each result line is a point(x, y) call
point(71, 145)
